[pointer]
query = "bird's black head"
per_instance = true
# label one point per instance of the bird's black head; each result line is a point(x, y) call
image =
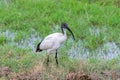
point(65, 26)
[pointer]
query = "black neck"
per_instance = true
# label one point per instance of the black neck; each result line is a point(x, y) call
point(62, 30)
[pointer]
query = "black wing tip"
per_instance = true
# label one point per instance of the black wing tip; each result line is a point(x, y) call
point(38, 49)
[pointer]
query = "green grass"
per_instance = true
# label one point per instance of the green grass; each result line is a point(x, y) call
point(16, 58)
point(80, 16)
point(21, 17)
point(22, 61)
point(2, 39)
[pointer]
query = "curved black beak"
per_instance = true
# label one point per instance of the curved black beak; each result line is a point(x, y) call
point(64, 25)
point(70, 32)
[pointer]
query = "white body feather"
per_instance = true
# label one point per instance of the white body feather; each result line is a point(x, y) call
point(53, 41)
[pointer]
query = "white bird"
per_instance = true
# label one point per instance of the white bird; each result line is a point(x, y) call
point(53, 41)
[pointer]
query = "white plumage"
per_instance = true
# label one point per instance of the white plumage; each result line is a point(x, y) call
point(53, 41)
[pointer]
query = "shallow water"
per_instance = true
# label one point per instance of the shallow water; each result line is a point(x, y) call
point(28, 43)
point(108, 50)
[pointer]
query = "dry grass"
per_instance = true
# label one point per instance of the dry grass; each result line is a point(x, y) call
point(52, 72)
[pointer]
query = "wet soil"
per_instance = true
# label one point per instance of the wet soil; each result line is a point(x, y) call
point(37, 72)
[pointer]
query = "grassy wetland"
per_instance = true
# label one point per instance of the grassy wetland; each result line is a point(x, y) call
point(94, 55)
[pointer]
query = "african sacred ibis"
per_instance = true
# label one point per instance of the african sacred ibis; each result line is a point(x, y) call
point(53, 41)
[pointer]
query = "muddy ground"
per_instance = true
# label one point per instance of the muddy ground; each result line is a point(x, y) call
point(38, 71)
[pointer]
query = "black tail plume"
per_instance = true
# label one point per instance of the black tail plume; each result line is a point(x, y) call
point(38, 47)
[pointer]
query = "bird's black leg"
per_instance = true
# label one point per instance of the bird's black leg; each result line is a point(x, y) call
point(47, 59)
point(56, 57)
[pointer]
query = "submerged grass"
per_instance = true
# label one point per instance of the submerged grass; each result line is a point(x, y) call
point(94, 23)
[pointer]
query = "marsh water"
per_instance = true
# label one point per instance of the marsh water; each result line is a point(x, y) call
point(108, 50)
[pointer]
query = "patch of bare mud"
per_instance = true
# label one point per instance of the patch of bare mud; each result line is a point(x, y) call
point(5, 71)
point(105, 75)
point(113, 75)
point(38, 72)
point(81, 75)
